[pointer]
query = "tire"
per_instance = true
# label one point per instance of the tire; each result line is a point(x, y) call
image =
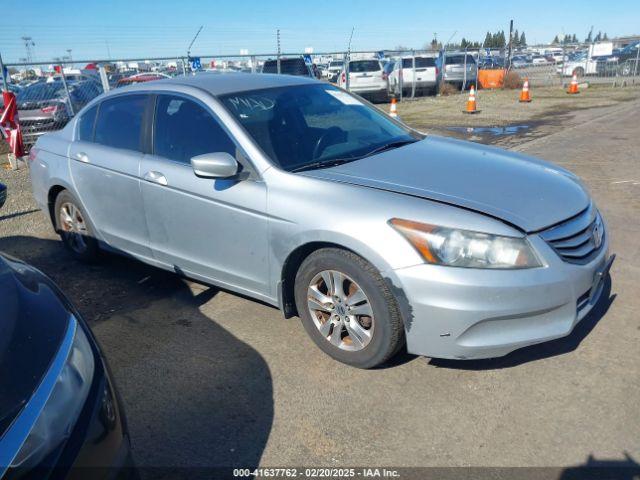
point(385, 327)
point(76, 232)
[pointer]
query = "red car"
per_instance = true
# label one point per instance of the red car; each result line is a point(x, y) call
point(139, 78)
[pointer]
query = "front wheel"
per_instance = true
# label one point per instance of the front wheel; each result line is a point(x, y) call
point(347, 308)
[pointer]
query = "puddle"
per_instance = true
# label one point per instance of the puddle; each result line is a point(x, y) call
point(491, 131)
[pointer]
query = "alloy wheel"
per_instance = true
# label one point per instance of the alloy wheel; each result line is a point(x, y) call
point(73, 227)
point(340, 310)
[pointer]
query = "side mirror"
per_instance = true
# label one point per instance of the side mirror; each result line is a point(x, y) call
point(214, 165)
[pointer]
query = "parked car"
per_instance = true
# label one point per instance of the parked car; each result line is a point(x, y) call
point(299, 194)
point(60, 414)
point(140, 78)
point(459, 69)
point(366, 78)
point(3, 194)
point(491, 63)
point(44, 107)
point(520, 61)
point(334, 69)
point(627, 60)
point(289, 66)
point(582, 64)
point(425, 75)
point(540, 60)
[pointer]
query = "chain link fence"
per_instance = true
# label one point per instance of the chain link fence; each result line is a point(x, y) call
point(49, 95)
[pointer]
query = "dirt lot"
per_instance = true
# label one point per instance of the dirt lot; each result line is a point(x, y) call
point(209, 378)
point(550, 110)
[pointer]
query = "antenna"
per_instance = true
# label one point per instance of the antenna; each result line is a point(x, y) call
point(192, 41)
point(450, 38)
point(278, 45)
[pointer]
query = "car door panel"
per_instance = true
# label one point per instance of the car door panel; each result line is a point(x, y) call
point(215, 229)
point(107, 181)
point(105, 171)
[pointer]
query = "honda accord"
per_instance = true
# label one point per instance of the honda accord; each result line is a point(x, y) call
point(301, 195)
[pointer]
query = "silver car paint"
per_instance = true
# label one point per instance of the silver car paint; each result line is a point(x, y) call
point(239, 234)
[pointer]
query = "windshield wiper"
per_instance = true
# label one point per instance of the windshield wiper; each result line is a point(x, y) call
point(323, 164)
point(388, 146)
point(340, 161)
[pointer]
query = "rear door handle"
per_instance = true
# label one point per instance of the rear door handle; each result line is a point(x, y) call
point(83, 157)
point(155, 177)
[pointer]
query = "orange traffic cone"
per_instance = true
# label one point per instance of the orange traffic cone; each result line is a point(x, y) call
point(525, 96)
point(471, 103)
point(573, 86)
point(393, 109)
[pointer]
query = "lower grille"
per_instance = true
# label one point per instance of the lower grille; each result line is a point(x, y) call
point(578, 239)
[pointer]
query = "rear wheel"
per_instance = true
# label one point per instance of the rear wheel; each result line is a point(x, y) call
point(347, 308)
point(72, 225)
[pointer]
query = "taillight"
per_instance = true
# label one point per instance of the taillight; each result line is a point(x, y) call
point(344, 77)
point(50, 109)
point(385, 75)
point(437, 71)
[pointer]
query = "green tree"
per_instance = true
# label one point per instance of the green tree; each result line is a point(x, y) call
point(523, 40)
point(488, 40)
point(516, 38)
point(556, 40)
point(598, 37)
point(604, 37)
point(589, 38)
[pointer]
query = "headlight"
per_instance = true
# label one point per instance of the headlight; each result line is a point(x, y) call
point(62, 409)
point(464, 248)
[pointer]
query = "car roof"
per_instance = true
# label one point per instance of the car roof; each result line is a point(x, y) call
point(225, 83)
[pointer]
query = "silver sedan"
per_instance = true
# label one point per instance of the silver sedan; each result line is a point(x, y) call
point(301, 195)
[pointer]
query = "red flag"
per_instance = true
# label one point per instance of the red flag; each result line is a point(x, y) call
point(9, 126)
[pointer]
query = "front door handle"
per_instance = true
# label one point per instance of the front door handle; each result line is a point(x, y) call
point(83, 157)
point(155, 177)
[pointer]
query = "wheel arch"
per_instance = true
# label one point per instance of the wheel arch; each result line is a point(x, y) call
point(294, 259)
point(55, 190)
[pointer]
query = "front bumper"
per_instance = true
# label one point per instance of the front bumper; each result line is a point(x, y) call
point(461, 313)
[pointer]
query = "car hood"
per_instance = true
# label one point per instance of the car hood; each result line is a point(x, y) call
point(32, 325)
point(523, 191)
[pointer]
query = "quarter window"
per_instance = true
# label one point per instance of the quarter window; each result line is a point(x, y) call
point(85, 124)
point(119, 122)
point(184, 129)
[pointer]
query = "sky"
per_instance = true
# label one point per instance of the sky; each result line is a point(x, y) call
point(157, 28)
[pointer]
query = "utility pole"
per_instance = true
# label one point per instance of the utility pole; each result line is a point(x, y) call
point(348, 61)
point(28, 44)
point(69, 56)
point(510, 43)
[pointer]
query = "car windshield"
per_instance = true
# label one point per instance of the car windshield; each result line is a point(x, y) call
point(41, 91)
point(358, 66)
point(308, 125)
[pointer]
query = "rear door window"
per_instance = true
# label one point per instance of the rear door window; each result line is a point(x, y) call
point(85, 124)
point(360, 66)
point(119, 122)
point(460, 59)
point(184, 129)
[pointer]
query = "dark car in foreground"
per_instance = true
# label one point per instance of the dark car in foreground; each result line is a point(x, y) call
point(44, 107)
point(3, 194)
point(289, 66)
point(60, 415)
